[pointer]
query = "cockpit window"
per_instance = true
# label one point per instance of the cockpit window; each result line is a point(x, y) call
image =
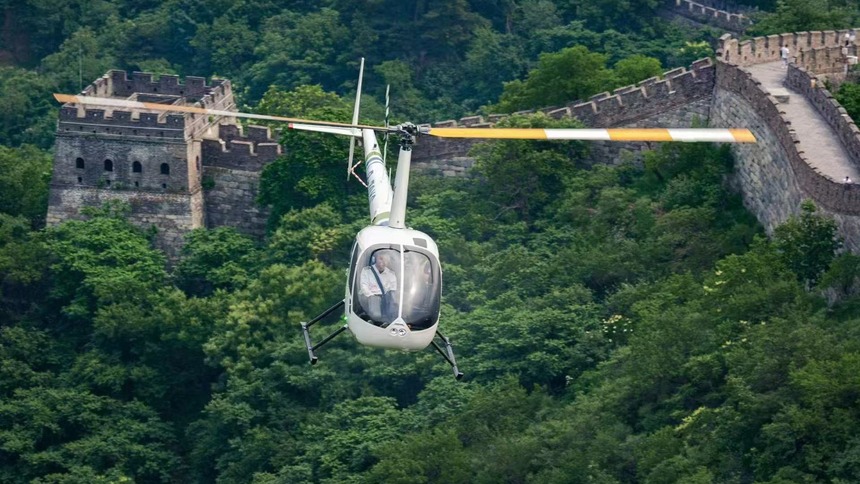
point(398, 283)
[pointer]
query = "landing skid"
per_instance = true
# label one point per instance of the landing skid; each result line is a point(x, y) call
point(307, 334)
point(447, 353)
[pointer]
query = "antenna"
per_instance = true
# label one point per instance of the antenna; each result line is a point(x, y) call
point(349, 166)
point(385, 143)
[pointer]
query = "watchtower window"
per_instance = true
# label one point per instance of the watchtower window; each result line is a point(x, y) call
point(165, 169)
point(79, 163)
point(108, 165)
point(136, 167)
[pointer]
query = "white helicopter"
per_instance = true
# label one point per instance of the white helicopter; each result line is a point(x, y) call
point(394, 283)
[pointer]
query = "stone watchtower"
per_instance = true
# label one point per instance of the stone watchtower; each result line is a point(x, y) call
point(157, 162)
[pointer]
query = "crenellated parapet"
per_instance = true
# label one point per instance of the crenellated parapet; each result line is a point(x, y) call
point(118, 83)
point(161, 127)
point(236, 150)
point(760, 50)
point(652, 102)
point(624, 105)
point(154, 126)
point(708, 13)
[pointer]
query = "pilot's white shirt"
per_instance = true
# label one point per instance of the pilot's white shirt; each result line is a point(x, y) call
point(369, 286)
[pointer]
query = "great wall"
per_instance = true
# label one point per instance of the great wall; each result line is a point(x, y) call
point(181, 172)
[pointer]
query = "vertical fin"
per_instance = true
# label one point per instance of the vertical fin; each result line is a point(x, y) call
point(355, 118)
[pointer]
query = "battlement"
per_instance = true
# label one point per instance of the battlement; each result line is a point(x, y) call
point(707, 13)
point(760, 50)
point(142, 125)
point(237, 150)
point(823, 60)
point(76, 121)
point(625, 104)
point(116, 83)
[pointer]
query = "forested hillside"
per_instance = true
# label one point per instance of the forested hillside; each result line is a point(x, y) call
point(617, 324)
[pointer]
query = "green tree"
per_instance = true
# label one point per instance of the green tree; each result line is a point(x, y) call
point(81, 58)
point(27, 113)
point(807, 243)
point(624, 15)
point(491, 60)
point(214, 259)
point(806, 15)
point(296, 49)
point(24, 176)
point(101, 261)
point(312, 234)
point(312, 171)
point(532, 171)
point(637, 68)
point(848, 96)
point(561, 77)
point(225, 47)
point(64, 434)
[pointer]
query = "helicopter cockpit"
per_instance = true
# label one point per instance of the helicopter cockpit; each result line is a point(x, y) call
point(397, 282)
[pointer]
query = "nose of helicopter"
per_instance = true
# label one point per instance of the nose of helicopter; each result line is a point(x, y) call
point(398, 328)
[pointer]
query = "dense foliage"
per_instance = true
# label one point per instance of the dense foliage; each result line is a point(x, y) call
point(626, 322)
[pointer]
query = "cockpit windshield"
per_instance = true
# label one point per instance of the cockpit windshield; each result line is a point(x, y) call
point(398, 282)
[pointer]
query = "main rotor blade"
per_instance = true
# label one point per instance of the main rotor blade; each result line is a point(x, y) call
point(619, 134)
point(172, 108)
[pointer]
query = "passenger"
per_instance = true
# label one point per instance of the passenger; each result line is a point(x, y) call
point(378, 290)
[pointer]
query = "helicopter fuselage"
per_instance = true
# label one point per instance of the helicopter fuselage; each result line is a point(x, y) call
point(393, 288)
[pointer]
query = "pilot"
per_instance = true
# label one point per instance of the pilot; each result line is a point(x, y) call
point(378, 289)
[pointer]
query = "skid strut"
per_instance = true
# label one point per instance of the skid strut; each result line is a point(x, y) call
point(448, 354)
point(306, 332)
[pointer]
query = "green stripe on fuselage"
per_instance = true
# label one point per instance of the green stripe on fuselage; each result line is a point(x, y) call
point(381, 216)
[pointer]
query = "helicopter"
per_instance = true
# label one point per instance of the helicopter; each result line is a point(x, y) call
point(393, 289)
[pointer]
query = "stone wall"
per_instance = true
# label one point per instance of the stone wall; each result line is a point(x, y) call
point(231, 170)
point(765, 172)
point(774, 176)
point(230, 198)
point(119, 163)
point(170, 213)
point(705, 12)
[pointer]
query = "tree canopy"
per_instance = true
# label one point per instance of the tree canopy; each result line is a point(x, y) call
point(618, 322)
